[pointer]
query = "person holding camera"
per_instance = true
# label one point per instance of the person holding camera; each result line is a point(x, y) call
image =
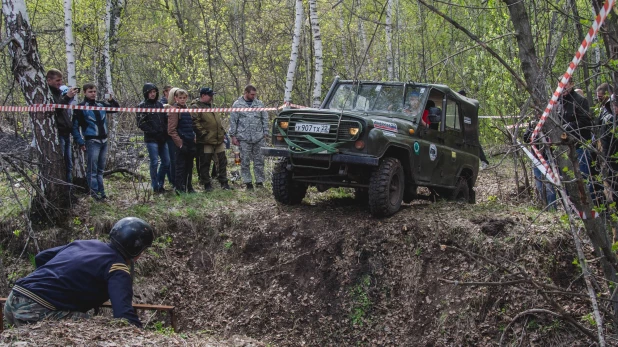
point(93, 126)
point(61, 116)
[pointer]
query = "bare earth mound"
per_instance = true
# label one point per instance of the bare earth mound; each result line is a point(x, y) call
point(327, 273)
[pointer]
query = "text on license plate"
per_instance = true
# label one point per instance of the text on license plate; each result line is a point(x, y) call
point(312, 128)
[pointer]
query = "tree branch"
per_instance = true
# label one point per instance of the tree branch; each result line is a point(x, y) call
point(480, 43)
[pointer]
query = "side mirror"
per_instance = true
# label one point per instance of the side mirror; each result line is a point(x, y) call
point(435, 115)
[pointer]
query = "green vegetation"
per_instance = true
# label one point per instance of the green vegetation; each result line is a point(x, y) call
point(361, 301)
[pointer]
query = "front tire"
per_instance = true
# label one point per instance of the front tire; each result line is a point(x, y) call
point(285, 189)
point(386, 187)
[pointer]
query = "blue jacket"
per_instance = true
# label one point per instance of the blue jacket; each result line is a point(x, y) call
point(80, 276)
point(93, 124)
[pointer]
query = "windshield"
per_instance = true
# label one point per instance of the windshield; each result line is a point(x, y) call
point(380, 98)
point(367, 97)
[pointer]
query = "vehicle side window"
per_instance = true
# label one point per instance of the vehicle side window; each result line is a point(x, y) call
point(452, 115)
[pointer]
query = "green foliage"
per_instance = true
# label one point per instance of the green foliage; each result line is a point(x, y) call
point(361, 301)
point(228, 244)
point(31, 258)
point(589, 318)
point(17, 232)
point(160, 329)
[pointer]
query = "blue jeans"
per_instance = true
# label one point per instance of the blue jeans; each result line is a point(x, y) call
point(96, 155)
point(158, 150)
point(545, 189)
point(171, 174)
point(584, 160)
point(65, 145)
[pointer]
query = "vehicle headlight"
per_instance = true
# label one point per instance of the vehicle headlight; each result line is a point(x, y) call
point(284, 124)
point(353, 131)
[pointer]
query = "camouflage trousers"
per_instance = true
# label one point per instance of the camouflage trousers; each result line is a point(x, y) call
point(20, 310)
point(251, 152)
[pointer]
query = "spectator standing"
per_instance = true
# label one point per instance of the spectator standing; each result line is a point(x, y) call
point(180, 129)
point(171, 147)
point(93, 126)
point(154, 125)
point(574, 112)
point(72, 279)
point(61, 116)
point(545, 190)
point(249, 130)
point(166, 93)
point(210, 136)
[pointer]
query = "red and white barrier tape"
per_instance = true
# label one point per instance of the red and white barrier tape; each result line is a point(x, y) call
point(607, 6)
point(51, 107)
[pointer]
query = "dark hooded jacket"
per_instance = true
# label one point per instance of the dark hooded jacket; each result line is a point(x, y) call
point(575, 113)
point(63, 120)
point(153, 124)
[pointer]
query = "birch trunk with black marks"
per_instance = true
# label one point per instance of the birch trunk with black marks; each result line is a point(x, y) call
point(289, 81)
point(389, 40)
point(317, 49)
point(29, 73)
point(112, 22)
point(79, 171)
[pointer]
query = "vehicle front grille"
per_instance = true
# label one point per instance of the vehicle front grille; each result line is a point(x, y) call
point(298, 137)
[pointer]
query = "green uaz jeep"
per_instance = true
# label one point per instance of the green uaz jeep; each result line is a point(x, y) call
point(385, 139)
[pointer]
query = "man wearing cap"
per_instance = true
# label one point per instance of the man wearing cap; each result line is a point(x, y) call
point(249, 130)
point(210, 136)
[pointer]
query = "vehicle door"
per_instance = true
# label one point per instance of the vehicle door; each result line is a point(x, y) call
point(427, 150)
point(453, 141)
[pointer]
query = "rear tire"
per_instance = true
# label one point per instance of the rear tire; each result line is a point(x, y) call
point(285, 189)
point(461, 192)
point(386, 187)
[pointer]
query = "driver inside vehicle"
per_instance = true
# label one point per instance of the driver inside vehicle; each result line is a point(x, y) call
point(413, 107)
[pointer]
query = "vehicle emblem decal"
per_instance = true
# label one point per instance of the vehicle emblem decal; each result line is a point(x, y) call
point(388, 133)
point(417, 148)
point(433, 152)
point(467, 120)
point(388, 126)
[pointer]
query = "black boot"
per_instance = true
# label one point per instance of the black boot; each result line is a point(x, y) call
point(249, 186)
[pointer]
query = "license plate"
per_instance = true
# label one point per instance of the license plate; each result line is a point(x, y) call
point(312, 128)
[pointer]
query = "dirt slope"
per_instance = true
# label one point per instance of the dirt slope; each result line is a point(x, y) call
point(328, 274)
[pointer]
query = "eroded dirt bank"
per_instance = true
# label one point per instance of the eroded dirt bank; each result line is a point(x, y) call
point(329, 274)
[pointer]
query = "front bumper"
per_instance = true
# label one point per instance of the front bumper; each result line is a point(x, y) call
point(333, 158)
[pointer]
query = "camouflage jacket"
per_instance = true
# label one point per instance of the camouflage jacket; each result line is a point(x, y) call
point(248, 126)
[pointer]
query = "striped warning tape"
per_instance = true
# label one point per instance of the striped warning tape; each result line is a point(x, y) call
point(51, 107)
point(607, 6)
point(537, 164)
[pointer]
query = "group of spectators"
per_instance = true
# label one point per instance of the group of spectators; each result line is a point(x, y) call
point(175, 139)
point(596, 145)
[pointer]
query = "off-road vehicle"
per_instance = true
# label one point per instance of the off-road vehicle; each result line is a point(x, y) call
point(385, 139)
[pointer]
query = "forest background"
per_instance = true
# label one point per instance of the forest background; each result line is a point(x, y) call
point(227, 44)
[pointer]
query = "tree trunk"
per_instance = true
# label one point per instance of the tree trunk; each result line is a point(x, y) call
point(317, 48)
point(289, 82)
point(29, 73)
point(389, 39)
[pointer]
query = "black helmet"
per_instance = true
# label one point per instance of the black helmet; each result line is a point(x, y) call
point(131, 236)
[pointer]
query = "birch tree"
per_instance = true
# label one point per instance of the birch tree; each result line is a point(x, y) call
point(113, 10)
point(79, 172)
point(298, 22)
point(29, 73)
point(317, 47)
point(389, 40)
